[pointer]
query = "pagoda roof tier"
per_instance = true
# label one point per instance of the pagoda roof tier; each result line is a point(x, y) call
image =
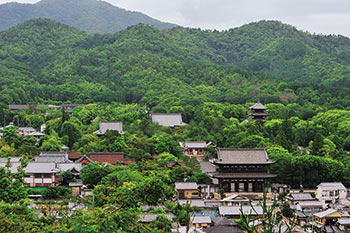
point(243, 156)
point(243, 175)
point(258, 106)
point(258, 114)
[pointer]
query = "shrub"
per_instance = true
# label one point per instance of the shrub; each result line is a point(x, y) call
point(54, 192)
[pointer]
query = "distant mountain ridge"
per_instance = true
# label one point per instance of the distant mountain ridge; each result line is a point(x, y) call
point(91, 16)
point(42, 58)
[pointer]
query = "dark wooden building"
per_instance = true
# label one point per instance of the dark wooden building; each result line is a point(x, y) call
point(242, 170)
point(258, 111)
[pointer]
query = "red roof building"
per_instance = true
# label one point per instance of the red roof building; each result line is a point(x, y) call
point(106, 157)
point(74, 155)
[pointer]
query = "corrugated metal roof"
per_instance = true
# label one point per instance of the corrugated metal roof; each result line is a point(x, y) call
point(200, 219)
point(242, 156)
point(186, 185)
point(28, 129)
point(332, 186)
point(325, 213)
point(168, 119)
point(300, 196)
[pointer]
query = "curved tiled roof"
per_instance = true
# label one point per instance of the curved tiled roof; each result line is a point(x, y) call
point(242, 156)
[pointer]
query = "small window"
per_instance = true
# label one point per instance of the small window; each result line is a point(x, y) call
point(47, 175)
point(37, 175)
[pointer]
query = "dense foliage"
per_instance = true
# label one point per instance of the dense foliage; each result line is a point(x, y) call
point(89, 15)
point(44, 61)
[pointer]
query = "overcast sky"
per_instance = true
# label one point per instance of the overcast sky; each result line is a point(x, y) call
point(320, 16)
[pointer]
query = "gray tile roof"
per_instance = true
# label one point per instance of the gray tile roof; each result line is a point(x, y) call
point(191, 144)
point(258, 105)
point(168, 119)
point(36, 134)
point(34, 167)
point(48, 156)
point(69, 166)
point(201, 219)
point(300, 197)
point(186, 185)
point(223, 221)
point(26, 129)
point(325, 213)
point(236, 210)
point(13, 160)
point(150, 217)
point(104, 126)
point(332, 186)
point(242, 156)
point(193, 202)
point(310, 203)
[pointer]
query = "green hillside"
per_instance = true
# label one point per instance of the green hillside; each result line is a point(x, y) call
point(91, 16)
point(268, 60)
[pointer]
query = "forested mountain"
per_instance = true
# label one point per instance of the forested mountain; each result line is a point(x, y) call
point(42, 60)
point(92, 16)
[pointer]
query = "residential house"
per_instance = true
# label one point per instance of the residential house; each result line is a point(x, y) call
point(310, 206)
point(331, 192)
point(280, 188)
point(38, 174)
point(187, 190)
point(242, 170)
point(294, 198)
point(327, 217)
point(235, 200)
point(168, 119)
point(114, 126)
point(201, 221)
point(344, 224)
point(37, 135)
point(25, 130)
point(209, 190)
point(234, 212)
point(192, 148)
point(42, 128)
